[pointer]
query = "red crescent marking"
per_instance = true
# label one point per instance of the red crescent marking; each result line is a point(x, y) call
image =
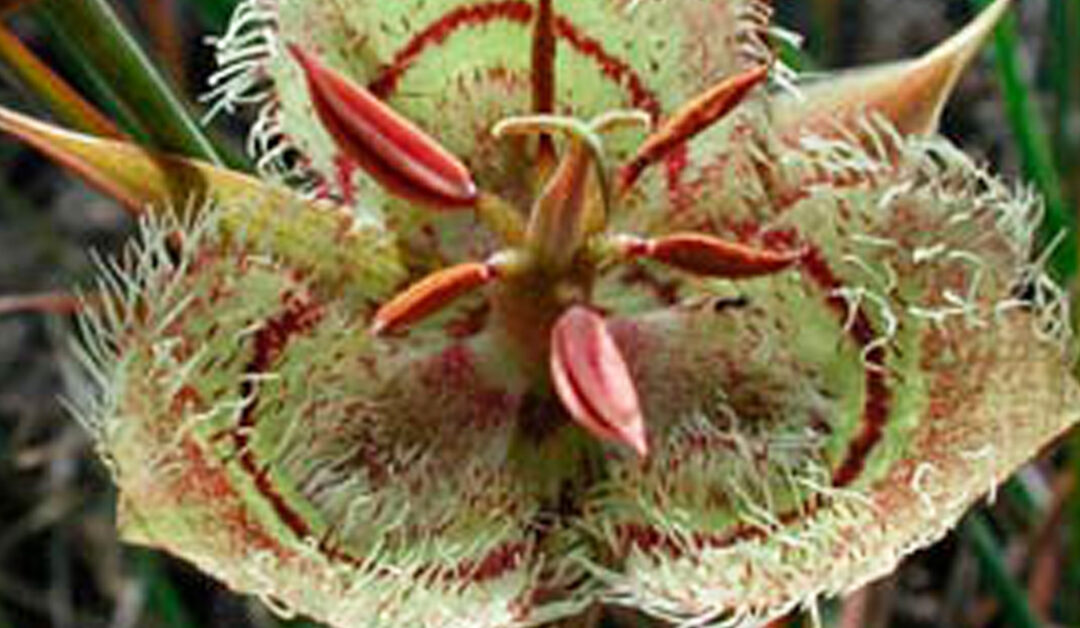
point(615, 69)
point(270, 340)
point(440, 30)
point(878, 395)
point(300, 317)
point(874, 417)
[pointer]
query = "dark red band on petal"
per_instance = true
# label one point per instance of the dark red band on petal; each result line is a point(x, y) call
point(874, 417)
point(439, 31)
point(300, 316)
point(878, 395)
point(617, 70)
point(650, 538)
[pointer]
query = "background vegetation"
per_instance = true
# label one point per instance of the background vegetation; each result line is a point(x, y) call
point(1015, 562)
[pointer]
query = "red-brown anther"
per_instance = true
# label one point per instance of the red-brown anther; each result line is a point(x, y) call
point(710, 256)
point(394, 151)
point(691, 119)
point(431, 294)
point(593, 381)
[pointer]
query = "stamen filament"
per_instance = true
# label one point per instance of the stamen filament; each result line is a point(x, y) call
point(543, 77)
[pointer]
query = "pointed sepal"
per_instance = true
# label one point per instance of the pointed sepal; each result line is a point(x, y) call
point(137, 177)
point(593, 381)
point(910, 95)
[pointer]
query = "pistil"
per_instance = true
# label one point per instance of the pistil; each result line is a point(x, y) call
point(541, 282)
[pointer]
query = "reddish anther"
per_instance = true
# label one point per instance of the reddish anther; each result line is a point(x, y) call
point(431, 294)
point(693, 118)
point(710, 256)
point(593, 381)
point(393, 150)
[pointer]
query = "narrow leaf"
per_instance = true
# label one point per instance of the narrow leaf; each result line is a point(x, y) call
point(62, 99)
point(133, 175)
point(162, 21)
point(1035, 150)
point(103, 41)
point(51, 302)
point(164, 599)
point(988, 551)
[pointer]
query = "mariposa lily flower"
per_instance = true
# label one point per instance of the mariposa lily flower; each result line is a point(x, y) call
point(581, 303)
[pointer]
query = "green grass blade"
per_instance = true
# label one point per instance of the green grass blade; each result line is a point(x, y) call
point(1063, 48)
point(132, 80)
point(976, 531)
point(1072, 574)
point(37, 78)
point(797, 58)
point(163, 597)
point(88, 81)
point(214, 14)
point(1035, 149)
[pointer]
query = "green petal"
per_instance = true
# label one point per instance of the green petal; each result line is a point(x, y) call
point(847, 413)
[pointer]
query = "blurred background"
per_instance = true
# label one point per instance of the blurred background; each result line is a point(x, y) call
point(1013, 563)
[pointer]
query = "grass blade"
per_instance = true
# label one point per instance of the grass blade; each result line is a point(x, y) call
point(1072, 575)
point(163, 24)
point(163, 596)
point(62, 99)
point(214, 14)
point(987, 549)
point(1035, 149)
point(1063, 49)
point(132, 80)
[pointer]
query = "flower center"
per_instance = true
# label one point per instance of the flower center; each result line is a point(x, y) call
point(540, 283)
